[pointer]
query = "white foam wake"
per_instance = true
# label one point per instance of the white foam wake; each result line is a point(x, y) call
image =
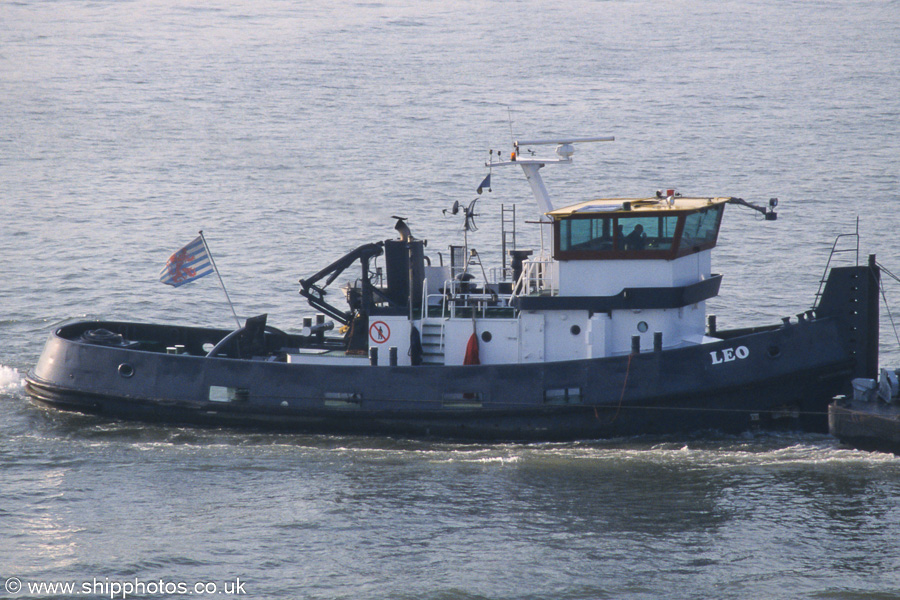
point(10, 379)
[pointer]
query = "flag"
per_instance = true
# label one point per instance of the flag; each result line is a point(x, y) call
point(485, 184)
point(190, 263)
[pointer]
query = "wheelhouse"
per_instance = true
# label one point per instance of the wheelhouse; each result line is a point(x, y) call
point(644, 229)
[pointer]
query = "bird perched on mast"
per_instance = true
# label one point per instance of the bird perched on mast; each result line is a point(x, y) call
point(402, 228)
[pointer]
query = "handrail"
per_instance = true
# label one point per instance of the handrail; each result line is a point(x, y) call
point(453, 298)
point(424, 311)
point(834, 251)
point(225, 341)
point(538, 275)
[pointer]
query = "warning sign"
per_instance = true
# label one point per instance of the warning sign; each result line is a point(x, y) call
point(379, 332)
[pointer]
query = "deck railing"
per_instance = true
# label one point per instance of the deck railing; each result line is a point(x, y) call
point(459, 300)
point(539, 276)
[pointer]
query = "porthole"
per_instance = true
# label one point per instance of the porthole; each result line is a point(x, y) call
point(643, 327)
point(575, 329)
point(126, 370)
point(773, 351)
point(486, 336)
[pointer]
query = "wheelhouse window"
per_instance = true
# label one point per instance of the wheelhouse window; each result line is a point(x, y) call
point(585, 237)
point(647, 233)
point(638, 236)
point(700, 230)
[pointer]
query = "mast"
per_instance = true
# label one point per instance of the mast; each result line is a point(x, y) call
point(532, 166)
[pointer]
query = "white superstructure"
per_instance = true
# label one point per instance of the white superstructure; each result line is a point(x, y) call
point(620, 273)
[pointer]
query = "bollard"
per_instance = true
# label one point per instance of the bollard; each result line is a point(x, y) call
point(320, 321)
point(373, 356)
point(657, 341)
point(635, 344)
point(392, 352)
point(712, 325)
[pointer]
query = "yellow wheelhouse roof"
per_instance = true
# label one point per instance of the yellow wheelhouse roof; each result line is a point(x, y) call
point(645, 206)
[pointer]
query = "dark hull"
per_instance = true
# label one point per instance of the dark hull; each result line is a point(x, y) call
point(772, 377)
point(866, 425)
point(786, 380)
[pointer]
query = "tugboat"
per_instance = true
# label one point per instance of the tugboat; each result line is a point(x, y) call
point(602, 333)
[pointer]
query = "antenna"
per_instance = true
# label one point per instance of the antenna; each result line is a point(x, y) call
point(531, 165)
point(563, 141)
point(512, 139)
point(470, 216)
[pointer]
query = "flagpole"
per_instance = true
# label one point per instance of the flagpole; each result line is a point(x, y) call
point(213, 262)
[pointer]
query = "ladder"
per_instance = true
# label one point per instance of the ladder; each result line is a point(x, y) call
point(508, 235)
point(432, 343)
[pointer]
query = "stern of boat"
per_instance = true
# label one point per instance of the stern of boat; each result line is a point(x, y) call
point(850, 296)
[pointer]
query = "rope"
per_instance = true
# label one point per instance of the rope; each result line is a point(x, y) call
point(890, 316)
point(723, 410)
point(885, 269)
point(884, 297)
point(640, 407)
point(622, 396)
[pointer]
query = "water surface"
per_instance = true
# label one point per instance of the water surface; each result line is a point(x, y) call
point(290, 133)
